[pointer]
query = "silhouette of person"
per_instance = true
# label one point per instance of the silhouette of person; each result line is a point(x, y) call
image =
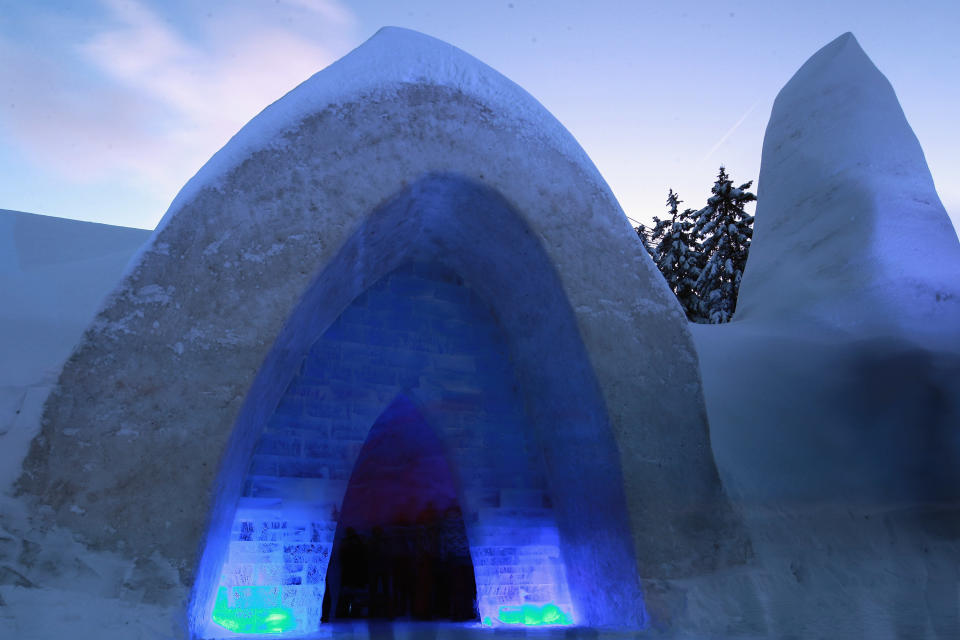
point(401, 550)
point(428, 556)
point(459, 575)
point(354, 574)
point(379, 580)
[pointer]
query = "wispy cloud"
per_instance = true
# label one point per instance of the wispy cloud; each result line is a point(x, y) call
point(150, 95)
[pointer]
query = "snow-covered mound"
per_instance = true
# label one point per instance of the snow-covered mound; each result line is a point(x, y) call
point(54, 274)
point(848, 323)
point(834, 395)
point(844, 460)
point(796, 417)
point(407, 150)
point(850, 232)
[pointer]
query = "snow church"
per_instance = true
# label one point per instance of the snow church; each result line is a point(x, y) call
point(400, 327)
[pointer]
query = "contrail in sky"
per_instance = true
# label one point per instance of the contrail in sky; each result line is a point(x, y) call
point(730, 132)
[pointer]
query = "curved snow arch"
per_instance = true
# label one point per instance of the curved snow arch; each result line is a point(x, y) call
point(477, 235)
point(146, 403)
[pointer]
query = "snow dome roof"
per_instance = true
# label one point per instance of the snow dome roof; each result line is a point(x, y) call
point(392, 58)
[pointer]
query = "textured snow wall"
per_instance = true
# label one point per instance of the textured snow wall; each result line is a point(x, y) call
point(850, 232)
point(405, 150)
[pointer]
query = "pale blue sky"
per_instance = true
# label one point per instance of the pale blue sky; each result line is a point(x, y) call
point(107, 107)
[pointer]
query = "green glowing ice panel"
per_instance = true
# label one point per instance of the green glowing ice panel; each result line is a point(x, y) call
point(252, 610)
point(534, 615)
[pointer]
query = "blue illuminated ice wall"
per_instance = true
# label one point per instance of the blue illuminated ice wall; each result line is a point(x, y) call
point(422, 332)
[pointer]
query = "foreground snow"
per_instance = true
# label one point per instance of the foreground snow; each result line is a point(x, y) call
point(843, 459)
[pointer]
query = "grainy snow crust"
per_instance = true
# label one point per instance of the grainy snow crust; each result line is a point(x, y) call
point(376, 71)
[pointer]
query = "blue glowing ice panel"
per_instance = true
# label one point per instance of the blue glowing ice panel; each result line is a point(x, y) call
point(421, 332)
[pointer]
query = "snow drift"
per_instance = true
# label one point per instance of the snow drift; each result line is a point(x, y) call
point(54, 274)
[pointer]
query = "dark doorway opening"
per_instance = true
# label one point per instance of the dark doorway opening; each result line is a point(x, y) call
point(400, 550)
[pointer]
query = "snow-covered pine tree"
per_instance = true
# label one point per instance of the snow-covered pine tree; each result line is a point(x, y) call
point(723, 230)
point(644, 234)
point(676, 256)
point(650, 237)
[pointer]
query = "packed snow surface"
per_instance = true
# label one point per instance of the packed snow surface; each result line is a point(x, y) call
point(834, 395)
point(54, 275)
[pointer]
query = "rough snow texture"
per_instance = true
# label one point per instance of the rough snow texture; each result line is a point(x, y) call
point(849, 232)
point(394, 58)
point(407, 149)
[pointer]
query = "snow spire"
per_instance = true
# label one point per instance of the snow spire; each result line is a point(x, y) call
point(850, 232)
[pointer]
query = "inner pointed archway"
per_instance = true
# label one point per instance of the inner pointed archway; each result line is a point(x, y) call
point(401, 548)
point(405, 416)
point(445, 291)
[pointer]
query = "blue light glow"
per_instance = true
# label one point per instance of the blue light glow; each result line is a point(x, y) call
point(457, 436)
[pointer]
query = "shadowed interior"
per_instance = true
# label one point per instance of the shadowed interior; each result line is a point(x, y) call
point(401, 548)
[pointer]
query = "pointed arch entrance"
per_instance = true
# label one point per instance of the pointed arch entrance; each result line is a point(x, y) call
point(401, 549)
